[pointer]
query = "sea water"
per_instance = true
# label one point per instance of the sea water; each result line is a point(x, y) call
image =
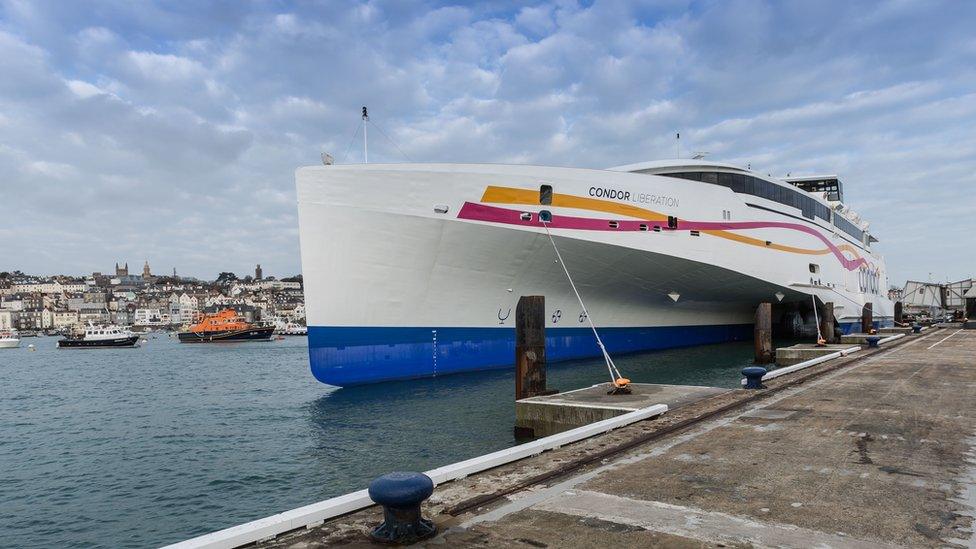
point(148, 446)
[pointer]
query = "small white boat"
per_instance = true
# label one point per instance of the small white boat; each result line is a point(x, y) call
point(9, 340)
point(294, 329)
point(100, 336)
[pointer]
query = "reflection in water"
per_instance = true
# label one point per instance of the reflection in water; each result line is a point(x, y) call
point(143, 447)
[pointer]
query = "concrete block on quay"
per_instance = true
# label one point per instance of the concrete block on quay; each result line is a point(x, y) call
point(788, 356)
point(550, 414)
point(855, 339)
point(892, 330)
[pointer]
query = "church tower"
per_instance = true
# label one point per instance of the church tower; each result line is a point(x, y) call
point(257, 272)
point(145, 270)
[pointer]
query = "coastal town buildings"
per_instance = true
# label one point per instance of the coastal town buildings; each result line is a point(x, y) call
point(60, 303)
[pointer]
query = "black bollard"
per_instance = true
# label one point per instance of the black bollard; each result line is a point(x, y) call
point(754, 375)
point(401, 494)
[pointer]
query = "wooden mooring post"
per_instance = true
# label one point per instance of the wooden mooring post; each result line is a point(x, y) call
point(827, 323)
point(530, 346)
point(764, 333)
point(899, 315)
point(867, 318)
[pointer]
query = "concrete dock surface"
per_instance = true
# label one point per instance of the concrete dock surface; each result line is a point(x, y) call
point(874, 450)
point(550, 414)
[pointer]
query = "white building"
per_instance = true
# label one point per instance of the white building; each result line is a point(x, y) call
point(12, 304)
point(238, 287)
point(8, 319)
point(48, 288)
point(63, 319)
point(147, 317)
point(189, 307)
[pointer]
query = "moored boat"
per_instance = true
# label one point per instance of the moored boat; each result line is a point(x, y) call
point(673, 253)
point(295, 329)
point(9, 340)
point(99, 337)
point(226, 325)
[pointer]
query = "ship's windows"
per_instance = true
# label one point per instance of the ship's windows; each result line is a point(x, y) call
point(657, 228)
point(526, 216)
point(643, 226)
point(724, 179)
point(693, 176)
point(441, 208)
point(545, 194)
point(695, 233)
point(545, 216)
point(737, 182)
point(709, 177)
point(614, 224)
point(814, 268)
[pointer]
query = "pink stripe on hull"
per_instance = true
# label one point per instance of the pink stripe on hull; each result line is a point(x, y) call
point(494, 214)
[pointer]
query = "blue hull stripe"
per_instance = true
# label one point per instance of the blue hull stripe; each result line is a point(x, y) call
point(352, 355)
point(855, 327)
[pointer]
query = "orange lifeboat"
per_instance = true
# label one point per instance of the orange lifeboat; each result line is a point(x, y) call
point(225, 325)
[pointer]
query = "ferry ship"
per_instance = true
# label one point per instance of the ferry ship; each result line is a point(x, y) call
point(414, 270)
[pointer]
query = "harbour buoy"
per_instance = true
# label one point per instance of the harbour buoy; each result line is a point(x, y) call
point(30, 347)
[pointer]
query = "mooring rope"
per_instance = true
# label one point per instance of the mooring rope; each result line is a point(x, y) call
point(611, 367)
point(816, 318)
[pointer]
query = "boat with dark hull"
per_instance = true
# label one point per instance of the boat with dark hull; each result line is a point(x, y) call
point(226, 325)
point(99, 337)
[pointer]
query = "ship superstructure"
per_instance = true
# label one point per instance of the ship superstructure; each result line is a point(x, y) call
point(414, 269)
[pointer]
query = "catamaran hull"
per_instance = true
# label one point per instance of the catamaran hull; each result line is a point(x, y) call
point(397, 288)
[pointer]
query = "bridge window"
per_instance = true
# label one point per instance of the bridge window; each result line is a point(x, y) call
point(545, 194)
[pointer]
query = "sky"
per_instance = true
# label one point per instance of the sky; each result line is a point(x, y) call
point(170, 131)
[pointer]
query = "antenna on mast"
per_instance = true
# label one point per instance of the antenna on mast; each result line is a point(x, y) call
point(677, 145)
point(365, 143)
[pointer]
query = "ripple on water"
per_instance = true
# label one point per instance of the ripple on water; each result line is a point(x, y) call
point(142, 447)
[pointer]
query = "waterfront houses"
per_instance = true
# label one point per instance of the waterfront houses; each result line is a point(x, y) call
point(59, 303)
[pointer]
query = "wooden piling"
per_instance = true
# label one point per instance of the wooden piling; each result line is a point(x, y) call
point(764, 333)
point(899, 316)
point(530, 346)
point(867, 318)
point(827, 322)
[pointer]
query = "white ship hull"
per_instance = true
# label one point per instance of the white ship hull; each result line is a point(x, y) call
point(9, 343)
point(397, 287)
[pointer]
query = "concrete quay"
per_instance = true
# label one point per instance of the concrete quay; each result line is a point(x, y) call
point(872, 450)
point(550, 414)
point(801, 352)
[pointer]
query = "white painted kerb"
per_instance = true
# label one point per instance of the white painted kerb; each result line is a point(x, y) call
point(820, 360)
point(316, 513)
point(808, 363)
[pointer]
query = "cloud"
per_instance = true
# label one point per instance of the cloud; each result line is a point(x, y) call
point(128, 130)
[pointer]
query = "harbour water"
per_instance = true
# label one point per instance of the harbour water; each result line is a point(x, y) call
point(147, 446)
